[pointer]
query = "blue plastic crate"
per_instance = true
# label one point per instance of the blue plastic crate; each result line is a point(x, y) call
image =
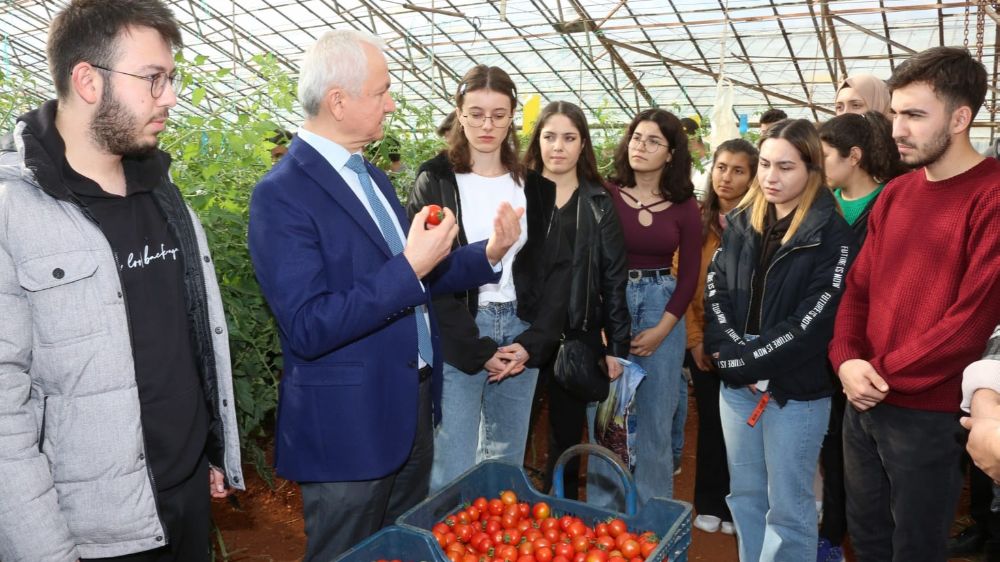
point(669, 519)
point(396, 543)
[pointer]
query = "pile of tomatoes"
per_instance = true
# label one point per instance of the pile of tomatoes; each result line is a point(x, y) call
point(506, 530)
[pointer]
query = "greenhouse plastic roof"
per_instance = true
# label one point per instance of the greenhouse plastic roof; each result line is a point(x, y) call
point(610, 56)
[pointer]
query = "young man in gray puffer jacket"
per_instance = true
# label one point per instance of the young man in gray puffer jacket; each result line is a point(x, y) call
point(117, 418)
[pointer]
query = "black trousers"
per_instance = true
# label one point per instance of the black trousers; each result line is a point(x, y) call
point(338, 515)
point(567, 419)
point(186, 513)
point(831, 459)
point(903, 476)
point(711, 473)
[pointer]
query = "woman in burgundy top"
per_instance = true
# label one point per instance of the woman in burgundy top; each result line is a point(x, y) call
point(652, 191)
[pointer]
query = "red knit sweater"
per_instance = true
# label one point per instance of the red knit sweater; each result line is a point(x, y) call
point(924, 294)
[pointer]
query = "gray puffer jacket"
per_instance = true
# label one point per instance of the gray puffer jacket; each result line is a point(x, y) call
point(74, 482)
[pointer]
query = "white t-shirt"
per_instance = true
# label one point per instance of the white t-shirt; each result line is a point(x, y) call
point(480, 198)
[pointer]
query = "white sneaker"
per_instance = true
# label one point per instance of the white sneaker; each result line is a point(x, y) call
point(728, 528)
point(707, 523)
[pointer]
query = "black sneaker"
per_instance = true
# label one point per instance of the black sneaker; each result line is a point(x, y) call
point(969, 540)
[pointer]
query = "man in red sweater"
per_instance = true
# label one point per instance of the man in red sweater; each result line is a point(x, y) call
point(921, 301)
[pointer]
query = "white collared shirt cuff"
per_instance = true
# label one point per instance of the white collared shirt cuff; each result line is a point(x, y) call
point(984, 373)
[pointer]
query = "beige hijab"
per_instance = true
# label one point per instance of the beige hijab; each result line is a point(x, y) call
point(872, 89)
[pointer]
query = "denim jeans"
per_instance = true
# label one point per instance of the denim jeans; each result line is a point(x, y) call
point(655, 402)
point(903, 477)
point(771, 471)
point(479, 420)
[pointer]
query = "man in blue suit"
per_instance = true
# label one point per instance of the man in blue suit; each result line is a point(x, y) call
point(350, 284)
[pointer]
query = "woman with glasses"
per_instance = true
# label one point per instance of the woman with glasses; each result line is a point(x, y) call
point(771, 297)
point(560, 149)
point(653, 195)
point(493, 338)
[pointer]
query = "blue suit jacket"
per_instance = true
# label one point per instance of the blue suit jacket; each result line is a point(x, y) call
point(347, 404)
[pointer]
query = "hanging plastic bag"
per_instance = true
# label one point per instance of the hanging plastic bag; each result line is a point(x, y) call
point(615, 424)
point(723, 122)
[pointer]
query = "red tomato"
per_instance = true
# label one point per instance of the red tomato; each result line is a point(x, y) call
point(616, 559)
point(605, 543)
point(577, 528)
point(565, 521)
point(620, 539)
point(532, 534)
point(616, 527)
point(481, 504)
point(495, 507)
point(647, 548)
point(463, 517)
point(493, 525)
point(541, 510)
point(637, 559)
point(469, 557)
point(440, 539)
point(601, 529)
point(580, 543)
point(579, 557)
point(508, 521)
point(549, 522)
point(526, 548)
point(506, 552)
point(631, 549)
point(454, 556)
point(450, 538)
point(523, 525)
point(526, 558)
point(484, 544)
point(564, 549)
point(512, 511)
point(473, 513)
point(463, 533)
point(558, 558)
point(508, 497)
point(434, 214)
point(596, 555)
point(543, 554)
point(552, 535)
point(440, 528)
point(457, 547)
point(525, 509)
point(542, 544)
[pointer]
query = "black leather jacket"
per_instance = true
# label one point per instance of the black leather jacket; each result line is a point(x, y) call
point(541, 272)
point(600, 270)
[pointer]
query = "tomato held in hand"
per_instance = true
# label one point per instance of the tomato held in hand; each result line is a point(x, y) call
point(434, 215)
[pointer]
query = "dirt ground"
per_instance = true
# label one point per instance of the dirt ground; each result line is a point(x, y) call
point(267, 525)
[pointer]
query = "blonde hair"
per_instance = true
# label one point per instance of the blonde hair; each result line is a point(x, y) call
point(802, 135)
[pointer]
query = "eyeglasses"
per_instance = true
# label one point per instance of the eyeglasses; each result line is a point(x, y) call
point(157, 82)
point(477, 120)
point(649, 145)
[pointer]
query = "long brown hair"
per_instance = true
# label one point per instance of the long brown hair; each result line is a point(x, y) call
point(710, 207)
point(675, 181)
point(494, 79)
point(586, 165)
point(802, 135)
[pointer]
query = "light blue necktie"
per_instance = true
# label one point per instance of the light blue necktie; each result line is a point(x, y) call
point(356, 164)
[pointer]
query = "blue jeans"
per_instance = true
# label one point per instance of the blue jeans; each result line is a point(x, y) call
point(771, 468)
point(655, 402)
point(479, 420)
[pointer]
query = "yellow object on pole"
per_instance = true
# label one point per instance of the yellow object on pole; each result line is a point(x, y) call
point(532, 108)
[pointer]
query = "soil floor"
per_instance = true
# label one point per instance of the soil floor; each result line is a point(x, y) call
point(266, 525)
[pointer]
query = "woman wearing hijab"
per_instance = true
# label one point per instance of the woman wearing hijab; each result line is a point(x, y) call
point(861, 93)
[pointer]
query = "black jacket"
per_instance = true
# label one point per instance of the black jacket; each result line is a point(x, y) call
point(803, 286)
point(860, 225)
point(541, 272)
point(600, 270)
